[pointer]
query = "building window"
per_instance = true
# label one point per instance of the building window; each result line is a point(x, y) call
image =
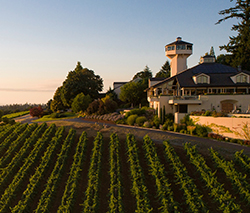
point(170, 48)
point(180, 47)
point(202, 80)
point(241, 79)
point(189, 47)
point(183, 108)
point(159, 91)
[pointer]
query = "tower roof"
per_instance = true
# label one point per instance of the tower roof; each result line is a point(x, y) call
point(179, 41)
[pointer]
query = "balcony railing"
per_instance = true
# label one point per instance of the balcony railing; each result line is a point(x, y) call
point(193, 97)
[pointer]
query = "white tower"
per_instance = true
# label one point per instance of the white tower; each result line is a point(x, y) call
point(178, 52)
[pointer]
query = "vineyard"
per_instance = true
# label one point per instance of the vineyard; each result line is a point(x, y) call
point(55, 169)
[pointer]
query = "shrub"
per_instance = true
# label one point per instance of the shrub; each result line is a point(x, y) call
point(191, 129)
point(169, 122)
point(136, 111)
point(207, 113)
point(165, 126)
point(81, 102)
point(36, 112)
point(131, 119)
point(201, 131)
point(110, 105)
point(233, 140)
point(183, 131)
point(175, 127)
point(156, 121)
point(121, 121)
point(187, 121)
point(93, 107)
point(140, 120)
point(170, 128)
point(147, 124)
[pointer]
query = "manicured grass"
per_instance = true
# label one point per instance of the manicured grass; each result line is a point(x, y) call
point(50, 117)
point(16, 114)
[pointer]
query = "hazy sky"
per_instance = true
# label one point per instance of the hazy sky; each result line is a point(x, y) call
point(42, 40)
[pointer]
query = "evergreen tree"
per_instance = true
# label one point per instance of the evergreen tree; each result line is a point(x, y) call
point(164, 71)
point(239, 46)
point(212, 53)
point(146, 73)
point(57, 103)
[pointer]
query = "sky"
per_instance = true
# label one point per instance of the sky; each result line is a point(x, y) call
point(42, 40)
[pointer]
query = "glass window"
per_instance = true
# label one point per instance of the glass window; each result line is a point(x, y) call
point(244, 79)
point(238, 79)
point(241, 79)
point(202, 80)
point(205, 80)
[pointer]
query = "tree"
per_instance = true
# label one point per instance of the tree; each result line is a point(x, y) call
point(224, 59)
point(36, 112)
point(57, 104)
point(133, 92)
point(239, 46)
point(164, 71)
point(81, 102)
point(212, 53)
point(80, 80)
point(146, 73)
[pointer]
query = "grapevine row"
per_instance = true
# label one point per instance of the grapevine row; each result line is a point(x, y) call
point(237, 179)
point(11, 137)
point(24, 204)
point(52, 183)
point(17, 160)
point(164, 191)
point(71, 185)
point(115, 189)
point(242, 160)
point(139, 190)
point(7, 131)
point(23, 172)
point(192, 198)
point(15, 145)
point(91, 194)
point(225, 200)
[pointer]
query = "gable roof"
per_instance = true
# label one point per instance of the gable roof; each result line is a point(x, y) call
point(220, 75)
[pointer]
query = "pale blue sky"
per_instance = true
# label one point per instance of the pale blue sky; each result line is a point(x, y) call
point(41, 41)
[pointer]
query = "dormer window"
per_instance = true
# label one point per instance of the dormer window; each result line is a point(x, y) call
point(241, 79)
point(201, 79)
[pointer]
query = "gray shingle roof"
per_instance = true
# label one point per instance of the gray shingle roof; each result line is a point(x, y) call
point(220, 75)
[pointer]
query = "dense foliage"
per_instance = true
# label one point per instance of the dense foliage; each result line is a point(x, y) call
point(239, 46)
point(80, 80)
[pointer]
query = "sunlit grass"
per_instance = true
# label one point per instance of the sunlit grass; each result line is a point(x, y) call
point(51, 117)
point(16, 114)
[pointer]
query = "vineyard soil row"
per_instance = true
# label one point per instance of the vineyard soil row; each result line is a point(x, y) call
point(128, 200)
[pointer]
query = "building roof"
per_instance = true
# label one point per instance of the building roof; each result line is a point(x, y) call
point(220, 75)
point(178, 42)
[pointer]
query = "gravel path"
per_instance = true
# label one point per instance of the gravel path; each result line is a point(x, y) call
point(177, 139)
